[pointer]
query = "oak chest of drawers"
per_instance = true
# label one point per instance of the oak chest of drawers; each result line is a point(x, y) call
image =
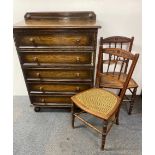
point(57, 52)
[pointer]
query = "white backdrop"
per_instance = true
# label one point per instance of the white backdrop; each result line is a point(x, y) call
point(117, 17)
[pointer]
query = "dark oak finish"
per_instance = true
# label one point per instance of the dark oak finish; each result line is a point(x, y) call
point(57, 52)
point(56, 58)
point(45, 100)
point(48, 87)
point(56, 73)
point(93, 106)
point(76, 15)
point(58, 37)
point(82, 19)
point(116, 80)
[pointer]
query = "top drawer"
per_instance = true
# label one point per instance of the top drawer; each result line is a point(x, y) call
point(54, 38)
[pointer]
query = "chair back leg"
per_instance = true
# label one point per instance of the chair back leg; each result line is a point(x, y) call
point(132, 100)
point(104, 134)
point(73, 117)
point(117, 116)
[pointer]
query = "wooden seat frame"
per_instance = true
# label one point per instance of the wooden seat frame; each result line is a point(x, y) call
point(114, 118)
point(118, 42)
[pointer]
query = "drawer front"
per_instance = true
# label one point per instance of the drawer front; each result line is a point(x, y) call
point(48, 87)
point(45, 100)
point(56, 58)
point(54, 38)
point(58, 74)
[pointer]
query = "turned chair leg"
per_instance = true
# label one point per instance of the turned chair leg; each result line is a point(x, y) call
point(119, 92)
point(73, 117)
point(117, 116)
point(104, 134)
point(132, 101)
point(117, 120)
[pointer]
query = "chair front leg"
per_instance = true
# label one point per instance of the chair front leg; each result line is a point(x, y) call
point(132, 100)
point(73, 111)
point(104, 134)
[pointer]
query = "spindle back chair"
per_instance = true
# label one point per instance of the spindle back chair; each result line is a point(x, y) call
point(124, 43)
point(102, 103)
point(118, 42)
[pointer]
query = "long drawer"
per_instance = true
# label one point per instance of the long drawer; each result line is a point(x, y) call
point(58, 74)
point(54, 88)
point(44, 100)
point(29, 38)
point(56, 57)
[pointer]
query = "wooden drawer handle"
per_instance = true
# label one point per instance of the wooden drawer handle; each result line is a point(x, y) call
point(77, 74)
point(77, 88)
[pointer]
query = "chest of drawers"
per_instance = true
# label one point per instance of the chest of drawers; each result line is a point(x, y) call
point(57, 52)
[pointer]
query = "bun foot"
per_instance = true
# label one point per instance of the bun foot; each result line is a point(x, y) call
point(37, 109)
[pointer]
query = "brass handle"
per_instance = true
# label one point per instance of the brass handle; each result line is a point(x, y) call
point(41, 88)
point(77, 74)
point(77, 88)
point(38, 75)
point(43, 100)
point(78, 59)
point(36, 59)
point(31, 39)
point(77, 41)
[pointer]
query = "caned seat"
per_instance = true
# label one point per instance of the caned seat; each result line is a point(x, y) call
point(97, 101)
point(111, 80)
point(102, 103)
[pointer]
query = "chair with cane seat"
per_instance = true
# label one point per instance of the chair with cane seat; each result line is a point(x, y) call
point(112, 81)
point(102, 103)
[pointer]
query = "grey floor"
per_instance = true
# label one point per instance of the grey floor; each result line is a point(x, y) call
point(49, 132)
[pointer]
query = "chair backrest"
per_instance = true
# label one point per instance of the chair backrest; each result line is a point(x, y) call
point(118, 42)
point(114, 59)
